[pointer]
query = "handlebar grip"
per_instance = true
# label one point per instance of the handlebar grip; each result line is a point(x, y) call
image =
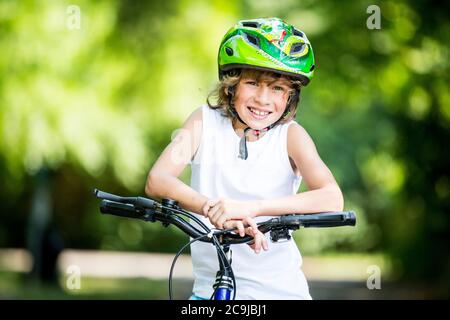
point(119, 209)
point(107, 196)
point(139, 201)
point(321, 220)
point(332, 219)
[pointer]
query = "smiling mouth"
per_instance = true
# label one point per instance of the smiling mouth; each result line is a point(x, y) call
point(257, 114)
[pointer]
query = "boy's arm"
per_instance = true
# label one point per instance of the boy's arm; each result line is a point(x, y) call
point(162, 180)
point(324, 193)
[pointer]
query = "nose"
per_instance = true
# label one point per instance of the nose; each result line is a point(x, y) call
point(263, 95)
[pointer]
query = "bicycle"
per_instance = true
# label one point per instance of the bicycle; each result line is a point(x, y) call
point(168, 212)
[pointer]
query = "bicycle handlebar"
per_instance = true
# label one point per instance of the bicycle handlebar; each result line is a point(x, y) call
point(151, 210)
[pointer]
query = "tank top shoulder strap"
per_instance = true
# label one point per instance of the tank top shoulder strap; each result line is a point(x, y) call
point(284, 132)
point(283, 144)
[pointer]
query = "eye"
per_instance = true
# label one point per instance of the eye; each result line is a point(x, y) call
point(278, 88)
point(251, 82)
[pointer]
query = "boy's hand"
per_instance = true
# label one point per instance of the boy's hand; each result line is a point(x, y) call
point(249, 227)
point(220, 210)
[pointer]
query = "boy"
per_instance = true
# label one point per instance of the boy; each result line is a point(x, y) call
point(248, 159)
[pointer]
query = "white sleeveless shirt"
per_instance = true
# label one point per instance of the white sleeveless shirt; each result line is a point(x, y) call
point(217, 171)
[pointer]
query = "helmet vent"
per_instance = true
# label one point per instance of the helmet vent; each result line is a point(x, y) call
point(296, 48)
point(252, 39)
point(250, 24)
point(297, 33)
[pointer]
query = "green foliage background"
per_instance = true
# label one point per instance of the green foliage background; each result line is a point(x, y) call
point(96, 105)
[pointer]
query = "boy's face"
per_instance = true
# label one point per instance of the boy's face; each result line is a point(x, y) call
point(261, 102)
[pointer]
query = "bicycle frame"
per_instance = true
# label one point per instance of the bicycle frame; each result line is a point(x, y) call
point(168, 212)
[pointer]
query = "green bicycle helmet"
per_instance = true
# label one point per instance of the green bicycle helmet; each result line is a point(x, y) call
point(267, 44)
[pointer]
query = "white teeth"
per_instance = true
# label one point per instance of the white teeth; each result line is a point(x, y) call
point(259, 113)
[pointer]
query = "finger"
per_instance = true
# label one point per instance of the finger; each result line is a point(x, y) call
point(251, 223)
point(250, 231)
point(213, 202)
point(258, 242)
point(235, 224)
point(218, 211)
point(229, 225)
point(221, 220)
point(215, 218)
point(208, 205)
point(240, 227)
point(265, 244)
point(254, 243)
point(214, 222)
point(205, 209)
point(213, 210)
